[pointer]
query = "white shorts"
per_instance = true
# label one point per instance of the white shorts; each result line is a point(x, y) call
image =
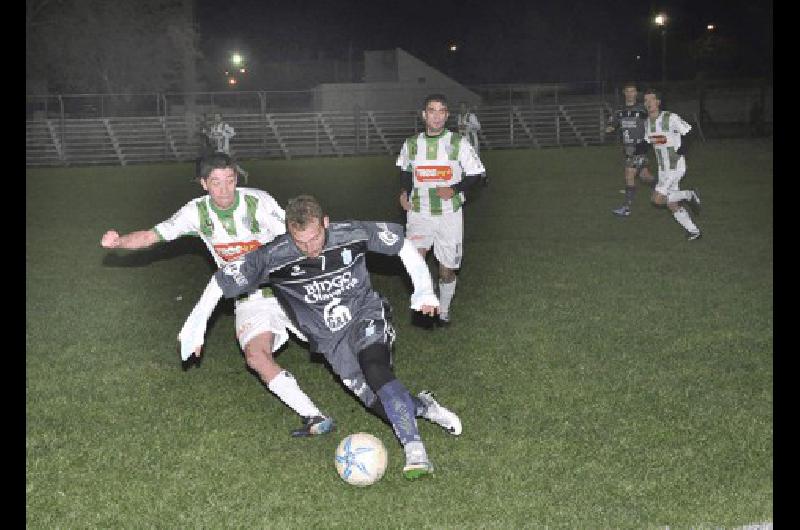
point(257, 315)
point(444, 232)
point(670, 179)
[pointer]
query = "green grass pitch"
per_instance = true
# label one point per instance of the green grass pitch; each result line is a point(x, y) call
point(608, 373)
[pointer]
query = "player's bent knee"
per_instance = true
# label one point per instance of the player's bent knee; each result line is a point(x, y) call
point(259, 347)
point(374, 361)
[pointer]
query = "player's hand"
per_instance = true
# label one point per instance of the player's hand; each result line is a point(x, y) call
point(191, 336)
point(186, 352)
point(445, 192)
point(193, 359)
point(404, 201)
point(110, 239)
point(429, 310)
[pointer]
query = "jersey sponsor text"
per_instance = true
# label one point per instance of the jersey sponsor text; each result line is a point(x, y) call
point(433, 173)
point(233, 251)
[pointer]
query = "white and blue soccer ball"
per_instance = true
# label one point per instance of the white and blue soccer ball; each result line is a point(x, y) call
point(361, 459)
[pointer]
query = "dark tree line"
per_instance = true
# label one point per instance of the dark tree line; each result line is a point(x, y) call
point(97, 46)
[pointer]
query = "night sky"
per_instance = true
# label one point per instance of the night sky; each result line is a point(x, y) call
point(499, 41)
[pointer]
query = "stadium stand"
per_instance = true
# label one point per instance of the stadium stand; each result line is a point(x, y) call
point(130, 140)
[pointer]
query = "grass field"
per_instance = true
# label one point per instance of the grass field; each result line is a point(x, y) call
point(608, 373)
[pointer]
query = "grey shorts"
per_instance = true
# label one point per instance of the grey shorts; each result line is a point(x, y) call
point(373, 326)
point(636, 161)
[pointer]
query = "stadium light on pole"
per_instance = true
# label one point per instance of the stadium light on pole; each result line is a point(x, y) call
point(661, 21)
point(236, 59)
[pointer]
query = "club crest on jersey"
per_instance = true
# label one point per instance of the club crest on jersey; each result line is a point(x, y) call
point(347, 256)
point(336, 316)
point(297, 271)
point(387, 236)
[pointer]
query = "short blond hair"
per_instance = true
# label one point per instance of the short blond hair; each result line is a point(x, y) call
point(302, 210)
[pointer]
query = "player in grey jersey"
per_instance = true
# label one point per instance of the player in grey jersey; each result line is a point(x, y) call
point(318, 273)
point(630, 120)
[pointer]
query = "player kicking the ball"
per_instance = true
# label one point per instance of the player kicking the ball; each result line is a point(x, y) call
point(319, 274)
point(663, 132)
point(233, 221)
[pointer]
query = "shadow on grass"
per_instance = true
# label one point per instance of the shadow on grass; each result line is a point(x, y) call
point(158, 252)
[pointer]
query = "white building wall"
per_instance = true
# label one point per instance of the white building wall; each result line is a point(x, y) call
point(394, 80)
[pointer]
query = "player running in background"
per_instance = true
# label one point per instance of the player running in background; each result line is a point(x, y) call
point(318, 271)
point(233, 221)
point(664, 132)
point(220, 134)
point(437, 167)
point(630, 120)
point(468, 127)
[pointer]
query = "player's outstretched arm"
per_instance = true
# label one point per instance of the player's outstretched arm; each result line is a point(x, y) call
point(132, 241)
point(423, 298)
point(192, 334)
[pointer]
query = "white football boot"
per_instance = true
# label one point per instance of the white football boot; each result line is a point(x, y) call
point(438, 414)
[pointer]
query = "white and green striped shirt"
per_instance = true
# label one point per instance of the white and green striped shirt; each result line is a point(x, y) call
point(254, 218)
point(436, 161)
point(664, 134)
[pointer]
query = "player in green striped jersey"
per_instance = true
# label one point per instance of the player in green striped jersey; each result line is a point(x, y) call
point(664, 131)
point(437, 166)
point(232, 222)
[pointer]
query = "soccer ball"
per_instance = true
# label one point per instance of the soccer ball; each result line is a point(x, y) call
point(361, 459)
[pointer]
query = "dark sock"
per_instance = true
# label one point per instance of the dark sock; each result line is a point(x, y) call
point(629, 191)
point(377, 408)
point(400, 409)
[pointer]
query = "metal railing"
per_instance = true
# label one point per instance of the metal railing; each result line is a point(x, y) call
point(126, 140)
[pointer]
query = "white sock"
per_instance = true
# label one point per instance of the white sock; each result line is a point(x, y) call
point(415, 452)
point(446, 292)
point(677, 196)
point(682, 216)
point(285, 386)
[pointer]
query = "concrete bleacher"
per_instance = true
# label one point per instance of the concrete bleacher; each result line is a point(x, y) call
point(255, 137)
point(87, 141)
point(141, 139)
point(42, 144)
point(301, 134)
